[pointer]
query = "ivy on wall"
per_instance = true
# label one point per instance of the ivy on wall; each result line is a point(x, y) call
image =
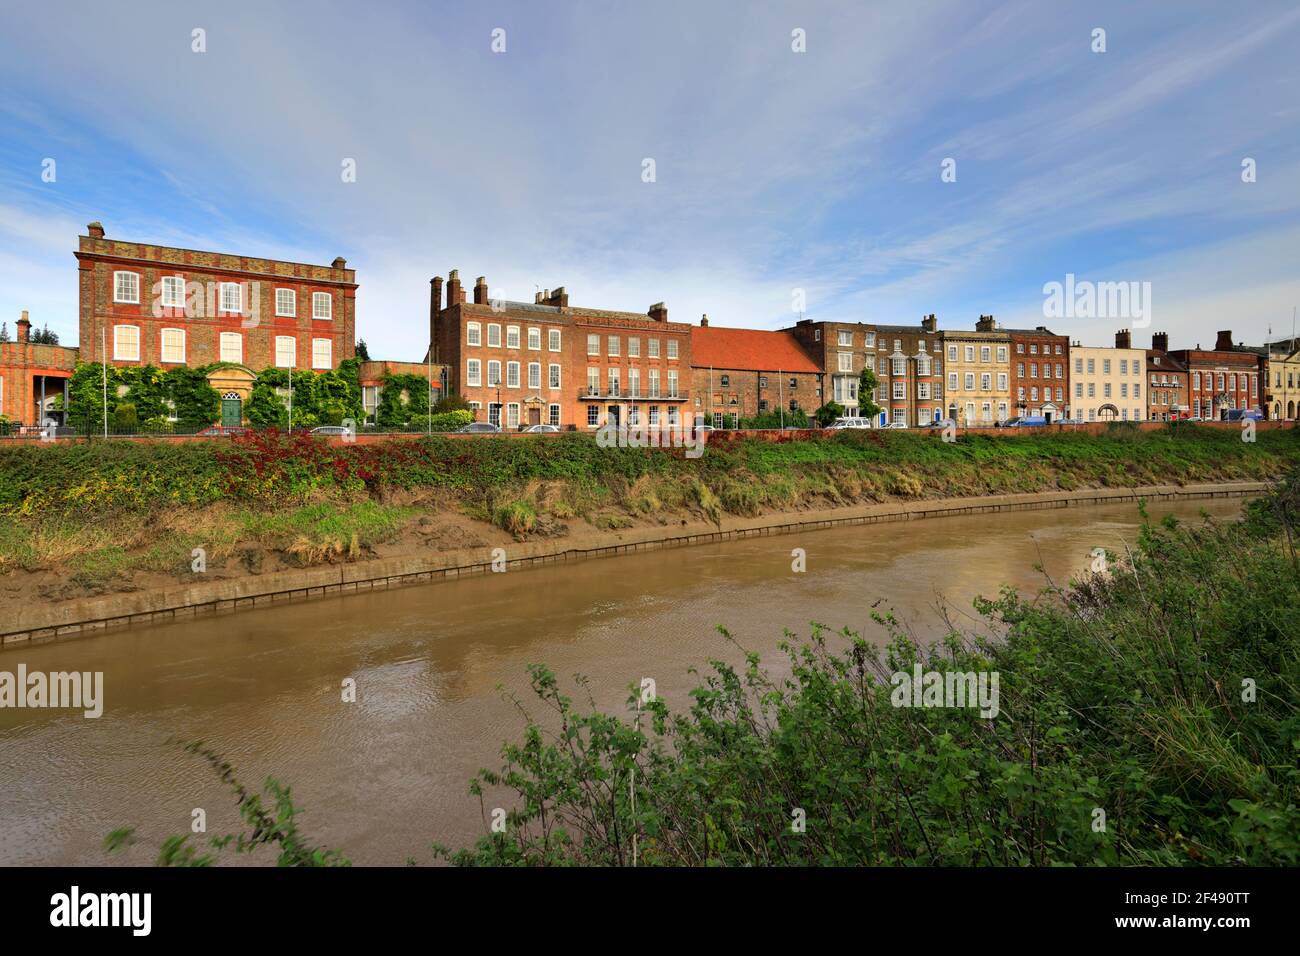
point(155, 395)
point(403, 400)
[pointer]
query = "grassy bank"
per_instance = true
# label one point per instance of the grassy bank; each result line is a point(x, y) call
point(93, 517)
point(1147, 715)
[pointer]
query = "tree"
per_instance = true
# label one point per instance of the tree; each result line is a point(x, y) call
point(828, 413)
point(867, 385)
point(363, 352)
point(45, 337)
point(4, 331)
point(451, 403)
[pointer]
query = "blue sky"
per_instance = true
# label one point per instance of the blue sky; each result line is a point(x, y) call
point(775, 170)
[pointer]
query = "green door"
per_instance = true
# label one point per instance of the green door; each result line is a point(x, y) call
point(230, 411)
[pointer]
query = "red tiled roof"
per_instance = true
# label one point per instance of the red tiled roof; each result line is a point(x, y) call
point(748, 350)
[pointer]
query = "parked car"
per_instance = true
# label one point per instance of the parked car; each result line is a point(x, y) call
point(477, 428)
point(217, 431)
point(540, 429)
point(850, 423)
point(332, 430)
point(1025, 421)
point(896, 425)
point(1242, 414)
point(939, 423)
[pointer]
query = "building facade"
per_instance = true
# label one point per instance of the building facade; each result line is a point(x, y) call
point(978, 370)
point(1040, 373)
point(840, 350)
point(33, 378)
point(1221, 379)
point(546, 362)
point(1167, 380)
point(1107, 383)
point(741, 373)
point(909, 366)
point(1282, 379)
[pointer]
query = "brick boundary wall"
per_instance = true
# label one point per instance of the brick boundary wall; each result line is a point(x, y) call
point(93, 615)
point(721, 435)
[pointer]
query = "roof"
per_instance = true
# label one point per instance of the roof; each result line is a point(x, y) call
point(748, 349)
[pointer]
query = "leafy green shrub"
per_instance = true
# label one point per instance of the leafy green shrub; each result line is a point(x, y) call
point(517, 517)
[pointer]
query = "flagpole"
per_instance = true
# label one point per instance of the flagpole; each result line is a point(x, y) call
point(103, 356)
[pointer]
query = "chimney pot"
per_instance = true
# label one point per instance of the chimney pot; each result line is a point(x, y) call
point(480, 290)
point(704, 321)
point(340, 262)
point(1224, 342)
point(95, 230)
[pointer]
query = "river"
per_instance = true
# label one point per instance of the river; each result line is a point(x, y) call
point(383, 777)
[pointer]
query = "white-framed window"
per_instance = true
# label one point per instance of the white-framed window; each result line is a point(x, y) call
point(231, 297)
point(512, 336)
point(846, 361)
point(986, 382)
point(553, 340)
point(952, 353)
point(286, 303)
point(846, 339)
point(871, 340)
point(612, 346)
point(512, 375)
point(633, 348)
point(173, 292)
point(593, 344)
point(672, 414)
point(286, 351)
point(672, 383)
point(553, 415)
point(1002, 381)
point(512, 415)
point(923, 390)
point(900, 366)
point(634, 415)
point(613, 381)
point(634, 382)
point(672, 348)
point(535, 373)
point(654, 348)
point(322, 305)
point(654, 415)
point(126, 343)
point(900, 391)
point(969, 381)
point(1002, 353)
point(232, 347)
point(952, 381)
point(986, 354)
point(535, 340)
point(171, 346)
point(654, 383)
point(494, 373)
point(474, 372)
point(322, 353)
point(473, 333)
point(593, 381)
point(593, 416)
point(494, 335)
point(370, 401)
point(553, 375)
point(126, 287)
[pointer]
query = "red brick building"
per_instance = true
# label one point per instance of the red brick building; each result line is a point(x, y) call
point(1221, 379)
point(909, 365)
point(158, 305)
point(1166, 382)
point(840, 350)
point(546, 362)
point(741, 373)
point(1040, 373)
point(33, 378)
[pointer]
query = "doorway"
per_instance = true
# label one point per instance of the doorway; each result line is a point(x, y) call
point(231, 409)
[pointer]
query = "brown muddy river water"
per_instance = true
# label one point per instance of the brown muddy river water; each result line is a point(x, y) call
point(383, 777)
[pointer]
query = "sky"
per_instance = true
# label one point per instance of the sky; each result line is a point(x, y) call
point(782, 178)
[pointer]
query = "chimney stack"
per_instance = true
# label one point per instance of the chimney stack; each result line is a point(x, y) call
point(480, 291)
point(24, 328)
point(704, 321)
point(1224, 342)
point(455, 294)
point(95, 230)
point(340, 263)
point(435, 306)
point(1123, 339)
point(658, 312)
point(985, 324)
point(558, 298)
point(1160, 341)
point(929, 322)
